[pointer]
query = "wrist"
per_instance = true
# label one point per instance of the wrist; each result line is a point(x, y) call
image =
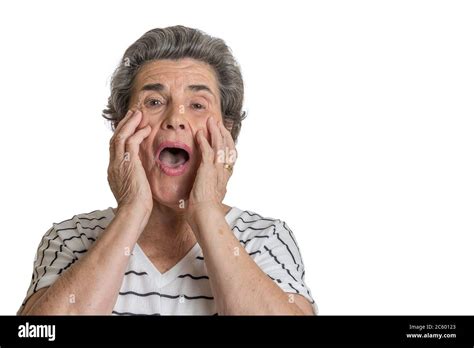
point(137, 209)
point(133, 214)
point(203, 213)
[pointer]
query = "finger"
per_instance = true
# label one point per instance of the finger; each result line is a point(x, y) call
point(222, 177)
point(229, 143)
point(124, 120)
point(124, 133)
point(224, 145)
point(117, 129)
point(145, 117)
point(216, 140)
point(132, 145)
point(206, 150)
point(220, 159)
point(145, 120)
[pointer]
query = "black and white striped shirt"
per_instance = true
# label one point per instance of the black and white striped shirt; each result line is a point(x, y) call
point(185, 288)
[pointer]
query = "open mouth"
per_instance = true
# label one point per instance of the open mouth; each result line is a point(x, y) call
point(173, 157)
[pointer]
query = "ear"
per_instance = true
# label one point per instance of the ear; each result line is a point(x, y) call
point(229, 124)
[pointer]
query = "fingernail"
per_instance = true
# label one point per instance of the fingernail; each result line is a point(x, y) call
point(128, 113)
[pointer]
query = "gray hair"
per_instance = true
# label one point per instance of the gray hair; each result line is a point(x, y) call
point(175, 43)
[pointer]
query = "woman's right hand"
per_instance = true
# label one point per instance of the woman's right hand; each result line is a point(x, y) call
point(126, 175)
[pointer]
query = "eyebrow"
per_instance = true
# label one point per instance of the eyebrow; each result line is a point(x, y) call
point(197, 88)
point(158, 87)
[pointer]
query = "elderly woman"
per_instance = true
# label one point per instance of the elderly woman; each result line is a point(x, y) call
point(171, 246)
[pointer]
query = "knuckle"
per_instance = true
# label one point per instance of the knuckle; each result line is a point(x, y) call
point(130, 141)
point(115, 141)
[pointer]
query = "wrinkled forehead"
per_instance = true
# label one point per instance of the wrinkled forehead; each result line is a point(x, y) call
point(176, 75)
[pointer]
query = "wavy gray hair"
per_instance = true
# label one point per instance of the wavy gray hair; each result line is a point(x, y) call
point(175, 43)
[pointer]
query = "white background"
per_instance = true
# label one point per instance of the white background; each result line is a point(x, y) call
point(359, 135)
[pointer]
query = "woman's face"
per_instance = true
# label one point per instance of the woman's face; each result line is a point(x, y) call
point(176, 98)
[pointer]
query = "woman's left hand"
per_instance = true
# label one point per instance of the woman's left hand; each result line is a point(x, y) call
point(217, 161)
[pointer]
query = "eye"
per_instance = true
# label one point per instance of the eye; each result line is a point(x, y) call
point(153, 102)
point(197, 106)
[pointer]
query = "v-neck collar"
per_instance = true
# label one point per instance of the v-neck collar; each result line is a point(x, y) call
point(164, 279)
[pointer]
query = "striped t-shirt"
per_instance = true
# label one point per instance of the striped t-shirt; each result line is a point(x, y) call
point(185, 288)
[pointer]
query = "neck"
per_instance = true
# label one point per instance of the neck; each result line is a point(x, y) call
point(167, 233)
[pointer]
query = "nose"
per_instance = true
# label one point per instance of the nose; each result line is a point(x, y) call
point(175, 121)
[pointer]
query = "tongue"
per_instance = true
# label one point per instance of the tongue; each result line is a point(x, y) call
point(172, 157)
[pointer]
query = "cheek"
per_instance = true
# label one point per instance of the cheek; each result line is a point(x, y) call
point(146, 149)
point(146, 157)
point(145, 121)
point(197, 124)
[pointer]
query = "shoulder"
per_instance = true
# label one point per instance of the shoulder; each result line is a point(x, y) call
point(253, 228)
point(96, 215)
point(248, 219)
point(83, 226)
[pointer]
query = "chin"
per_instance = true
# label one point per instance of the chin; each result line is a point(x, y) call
point(171, 191)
